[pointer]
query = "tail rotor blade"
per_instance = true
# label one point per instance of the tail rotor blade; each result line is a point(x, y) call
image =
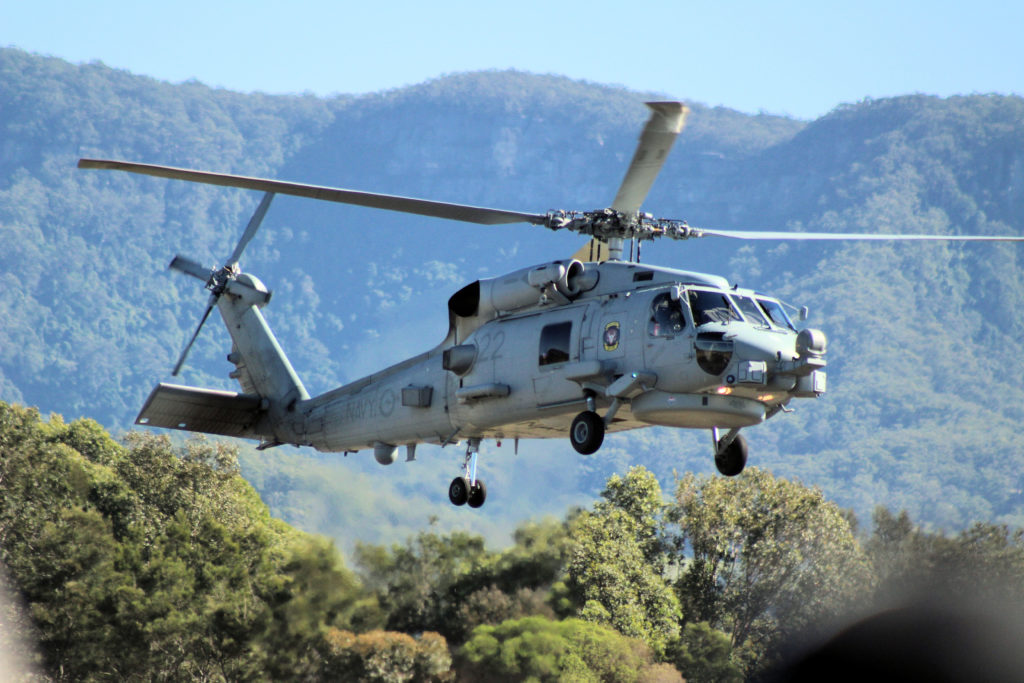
point(250, 230)
point(188, 347)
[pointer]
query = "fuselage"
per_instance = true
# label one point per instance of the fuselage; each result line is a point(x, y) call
point(670, 347)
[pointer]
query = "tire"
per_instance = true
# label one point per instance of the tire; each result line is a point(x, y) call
point(587, 432)
point(477, 494)
point(733, 458)
point(458, 491)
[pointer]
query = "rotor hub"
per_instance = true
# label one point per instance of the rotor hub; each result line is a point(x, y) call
point(608, 224)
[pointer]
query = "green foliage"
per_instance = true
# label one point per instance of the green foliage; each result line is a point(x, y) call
point(146, 562)
point(763, 557)
point(416, 583)
point(538, 649)
point(703, 655)
point(451, 583)
point(638, 494)
point(984, 562)
point(385, 657)
point(616, 572)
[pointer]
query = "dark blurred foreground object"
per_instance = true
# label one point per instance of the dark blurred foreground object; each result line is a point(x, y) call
point(939, 639)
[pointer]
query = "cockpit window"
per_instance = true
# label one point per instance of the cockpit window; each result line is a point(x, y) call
point(750, 310)
point(776, 313)
point(666, 317)
point(711, 307)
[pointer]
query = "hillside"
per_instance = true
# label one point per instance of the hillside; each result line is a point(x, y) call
point(922, 338)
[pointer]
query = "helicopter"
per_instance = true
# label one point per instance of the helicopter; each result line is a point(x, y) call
point(584, 346)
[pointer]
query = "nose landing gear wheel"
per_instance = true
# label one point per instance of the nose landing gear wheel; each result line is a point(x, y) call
point(587, 432)
point(458, 491)
point(731, 460)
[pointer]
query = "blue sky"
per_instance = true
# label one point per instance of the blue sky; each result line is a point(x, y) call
point(796, 58)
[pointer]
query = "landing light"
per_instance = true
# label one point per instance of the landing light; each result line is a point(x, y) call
point(765, 398)
point(723, 391)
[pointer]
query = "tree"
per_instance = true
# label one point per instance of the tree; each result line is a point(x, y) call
point(385, 657)
point(416, 584)
point(704, 655)
point(763, 558)
point(451, 583)
point(150, 562)
point(616, 569)
point(982, 562)
point(539, 649)
point(491, 605)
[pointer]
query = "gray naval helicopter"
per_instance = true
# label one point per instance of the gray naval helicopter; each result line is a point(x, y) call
point(581, 346)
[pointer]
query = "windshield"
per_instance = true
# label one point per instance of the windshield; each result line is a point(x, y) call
point(750, 310)
point(711, 307)
point(776, 313)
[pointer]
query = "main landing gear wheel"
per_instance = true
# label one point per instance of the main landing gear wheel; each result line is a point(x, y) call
point(731, 460)
point(458, 491)
point(477, 494)
point(467, 488)
point(587, 432)
point(461, 492)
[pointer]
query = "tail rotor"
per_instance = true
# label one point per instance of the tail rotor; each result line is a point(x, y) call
point(188, 346)
point(225, 278)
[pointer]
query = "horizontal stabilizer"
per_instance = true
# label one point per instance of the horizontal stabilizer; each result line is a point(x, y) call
point(202, 410)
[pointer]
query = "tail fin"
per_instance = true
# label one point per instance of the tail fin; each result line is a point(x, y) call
point(270, 385)
point(262, 368)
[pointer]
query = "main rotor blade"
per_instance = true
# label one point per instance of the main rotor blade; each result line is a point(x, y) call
point(183, 264)
point(250, 230)
point(373, 200)
point(656, 140)
point(880, 237)
point(188, 347)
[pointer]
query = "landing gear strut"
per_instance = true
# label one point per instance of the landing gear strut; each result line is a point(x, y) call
point(730, 452)
point(467, 488)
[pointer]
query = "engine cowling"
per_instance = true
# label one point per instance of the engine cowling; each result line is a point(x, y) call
point(522, 288)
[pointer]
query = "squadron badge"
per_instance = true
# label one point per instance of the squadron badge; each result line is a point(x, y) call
point(611, 336)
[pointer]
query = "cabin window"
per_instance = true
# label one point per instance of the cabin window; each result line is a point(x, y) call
point(711, 307)
point(750, 310)
point(554, 343)
point(666, 317)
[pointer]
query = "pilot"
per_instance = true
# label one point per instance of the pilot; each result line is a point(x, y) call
point(666, 319)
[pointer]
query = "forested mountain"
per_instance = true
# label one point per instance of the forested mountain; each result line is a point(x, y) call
point(924, 402)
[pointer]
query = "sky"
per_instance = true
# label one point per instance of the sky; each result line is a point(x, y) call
point(800, 59)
